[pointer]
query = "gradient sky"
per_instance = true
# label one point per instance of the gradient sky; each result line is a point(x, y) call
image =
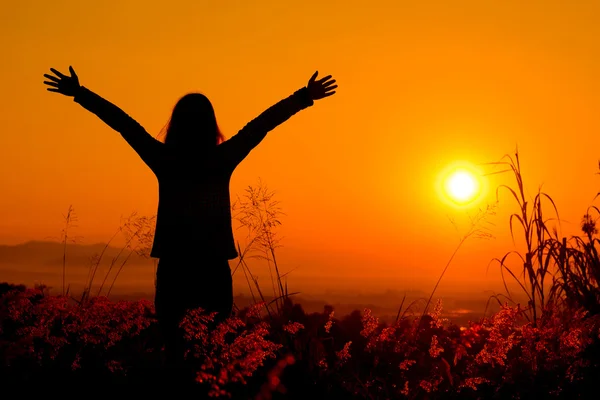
point(422, 84)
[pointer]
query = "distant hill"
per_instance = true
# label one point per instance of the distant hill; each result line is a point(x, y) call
point(49, 253)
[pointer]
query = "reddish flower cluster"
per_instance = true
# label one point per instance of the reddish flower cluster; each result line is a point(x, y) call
point(228, 354)
point(293, 327)
point(414, 357)
point(42, 328)
point(329, 323)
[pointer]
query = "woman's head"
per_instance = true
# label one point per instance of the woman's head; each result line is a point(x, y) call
point(193, 123)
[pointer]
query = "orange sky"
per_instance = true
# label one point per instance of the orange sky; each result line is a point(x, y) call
point(422, 84)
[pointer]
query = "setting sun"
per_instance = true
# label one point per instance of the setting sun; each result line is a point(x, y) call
point(462, 186)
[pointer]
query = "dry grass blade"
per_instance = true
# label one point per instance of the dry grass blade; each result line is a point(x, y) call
point(260, 214)
point(544, 252)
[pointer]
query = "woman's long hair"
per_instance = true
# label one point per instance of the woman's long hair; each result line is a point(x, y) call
point(193, 123)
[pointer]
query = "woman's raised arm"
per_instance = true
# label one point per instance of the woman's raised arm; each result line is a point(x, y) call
point(238, 147)
point(147, 147)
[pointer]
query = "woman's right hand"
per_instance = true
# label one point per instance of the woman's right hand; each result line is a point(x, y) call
point(67, 85)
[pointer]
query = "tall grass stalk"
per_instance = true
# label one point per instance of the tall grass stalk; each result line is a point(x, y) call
point(554, 269)
point(578, 264)
point(70, 219)
point(259, 214)
point(94, 264)
point(536, 261)
point(477, 229)
point(139, 233)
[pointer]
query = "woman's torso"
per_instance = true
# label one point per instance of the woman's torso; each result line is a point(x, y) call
point(194, 208)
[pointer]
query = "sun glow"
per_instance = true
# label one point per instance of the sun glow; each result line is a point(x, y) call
point(461, 185)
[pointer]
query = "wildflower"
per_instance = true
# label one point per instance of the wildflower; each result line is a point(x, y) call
point(229, 353)
point(499, 341)
point(255, 309)
point(329, 322)
point(434, 349)
point(473, 382)
point(344, 354)
point(387, 334)
point(405, 391)
point(406, 364)
point(571, 341)
point(293, 327)
point(436, 321)
point(427, 386)
point(369, 322)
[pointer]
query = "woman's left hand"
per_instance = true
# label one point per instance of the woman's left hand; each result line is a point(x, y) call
point(322, 88)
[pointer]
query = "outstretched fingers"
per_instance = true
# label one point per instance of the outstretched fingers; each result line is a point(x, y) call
point(327, 84)
point(329, 87)
point(53, 81)
point(58, 73)
point(321, 88)
point(50, 83)
point(61, 83)
point(52, 78)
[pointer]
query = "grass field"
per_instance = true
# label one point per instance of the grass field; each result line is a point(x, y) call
point(548, 347)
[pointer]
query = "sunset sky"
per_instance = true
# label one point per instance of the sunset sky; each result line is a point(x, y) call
point(422, 85)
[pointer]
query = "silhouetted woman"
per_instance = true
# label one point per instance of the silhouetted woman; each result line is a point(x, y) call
point(193, 237)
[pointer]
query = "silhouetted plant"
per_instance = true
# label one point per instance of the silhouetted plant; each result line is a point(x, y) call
point(259, 213)
point(536, 261)
point(572, 265)
point(477, 229)
point(507, 355)
point(139, 233)
point(314, 354)
point(65, 238)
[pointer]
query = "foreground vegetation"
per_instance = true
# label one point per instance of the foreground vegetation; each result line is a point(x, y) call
point(549, 348)
point(46, 341)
